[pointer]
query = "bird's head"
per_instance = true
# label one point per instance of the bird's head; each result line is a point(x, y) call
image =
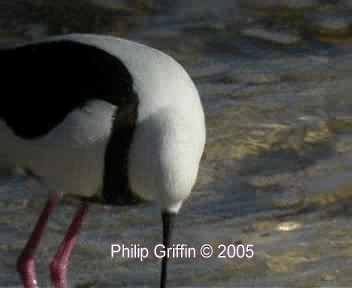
point(164, 161)
point(164, 158)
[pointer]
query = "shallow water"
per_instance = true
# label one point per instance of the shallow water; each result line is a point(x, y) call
point(276, 172)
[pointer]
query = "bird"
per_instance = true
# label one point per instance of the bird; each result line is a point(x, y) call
point(91, 114)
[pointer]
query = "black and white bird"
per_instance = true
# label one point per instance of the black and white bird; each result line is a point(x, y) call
point(93, 114)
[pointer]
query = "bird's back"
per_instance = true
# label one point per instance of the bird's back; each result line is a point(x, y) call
point(58, 110)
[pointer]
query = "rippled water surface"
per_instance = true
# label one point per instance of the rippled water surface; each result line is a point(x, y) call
point(276, 171)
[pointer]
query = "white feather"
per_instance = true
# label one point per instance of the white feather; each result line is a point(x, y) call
point(167, 144)
point(71, 157)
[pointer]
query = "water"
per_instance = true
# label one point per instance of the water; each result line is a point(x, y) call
point(276, 171)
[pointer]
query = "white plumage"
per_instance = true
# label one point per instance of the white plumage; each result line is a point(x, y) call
point(166, 146)
point(163, 156)
point(70, 158)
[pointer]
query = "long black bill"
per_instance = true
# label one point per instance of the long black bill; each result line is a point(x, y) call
point(168, 225)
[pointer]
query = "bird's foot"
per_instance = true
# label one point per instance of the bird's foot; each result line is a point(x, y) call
point(26, 268)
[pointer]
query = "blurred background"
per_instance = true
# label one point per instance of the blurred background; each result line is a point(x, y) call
point(274, 79)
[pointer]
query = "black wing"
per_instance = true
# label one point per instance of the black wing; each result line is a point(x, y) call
point(43, 82)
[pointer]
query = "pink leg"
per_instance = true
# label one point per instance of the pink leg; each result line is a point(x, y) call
point(61, 260)
point(25, 262)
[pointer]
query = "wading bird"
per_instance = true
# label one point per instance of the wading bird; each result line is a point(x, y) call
point(91, 114)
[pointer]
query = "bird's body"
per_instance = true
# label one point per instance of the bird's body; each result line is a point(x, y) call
point(69, 155)
point(92, 114)
point(70, 158)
